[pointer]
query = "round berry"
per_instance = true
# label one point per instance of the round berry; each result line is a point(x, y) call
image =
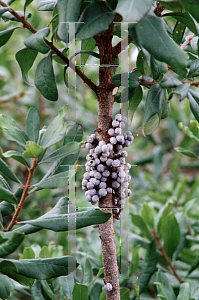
point(88, 169)
point(113, 140)
point(103, 159)
point(115, 184)
point(109, 190)
point(115, 123)
point(108, 287)
point(125, 184)
point(88, 198)
point(106, 173)
point(122, 125)
point(109, 162)
point(102, 185)
point(115, 201)
point(122, 160)
point(110, 146)
point(114, 175)
point(130, 138)
point(120, 139)
point(118, 147)
point(91, 163)
point(127, 166)
point(102, 143)
point(129, 192)
point(98, 150)
point(97, 175)
point(116, 163)
point(84, 188)
point(103, 178)
point(105, 148)
point(127, 143)
point(102, 192)
point(84, 182)
point(124, 119)
point(118, 217)
point(105, 154)
point(101, 168)
point(97, 161)
point(89, 146)
point(124, 154)
point(89, 157)
point(118, 117)
point(111, 132)
point(90, 185)
point(95, 198)
point(92, 173)
point(118, 130)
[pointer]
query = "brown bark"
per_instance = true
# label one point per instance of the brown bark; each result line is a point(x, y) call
point(105, 103)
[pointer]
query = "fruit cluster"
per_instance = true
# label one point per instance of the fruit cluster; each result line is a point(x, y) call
point(106, 169)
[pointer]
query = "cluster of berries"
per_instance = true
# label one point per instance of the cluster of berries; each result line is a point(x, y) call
point(106, 170)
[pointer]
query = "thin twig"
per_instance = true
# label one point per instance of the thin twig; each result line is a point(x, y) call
point(155, 236)
point(27, 25)
point(188, 40)
point(24, 195)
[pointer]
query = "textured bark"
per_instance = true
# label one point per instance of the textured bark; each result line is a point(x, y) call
point(105, 102)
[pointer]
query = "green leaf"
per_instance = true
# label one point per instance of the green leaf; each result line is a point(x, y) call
point(131, 82)
point(11, 241)
point(158, 68)
point(150, 32)
point(162, 214)
point(45, 79)
point(186, 19)
point(28, 2)
point(7, 15)
point(136, 290)
point(178, 32)
point(36, 41)
point(75, 134)
point(195, 226)
point(112, 3)
point(4, 184)
point(100, 272)
point(41, 268)
point(17, 156)
point(80, 292)
point(195, 264)
point(181, 91)
point(164, 287)
point(3, 9)
point(32, 150)
point(126, 95)
point(6, 286)
point(191, 7)
point(154, 105)
point(59, 222)
point(186, 152)
point(28, 253)
point(147, 215)
point(55, 131)
point(134, 262)
point(46, 5)
point(171, 234)
point(7, 195)
point(67, 284)
point(33, 124)
point(194, 68)
point(172, 5)
point(54, 181)
point(48, 290)
point(134, 103)
point(124, 293)
point(69, 148)
point(25, 58)
point(166, 109)
point(92, 53)
point(184, 291)
point(6, 171)
point(151, 125)
point(6, 208)
point(12, 131)
point(68, 12)
point(148, 266)
point(95, 19)
point(189, 132)
point(87, 272)
point(138, 221)
point(133, 11)
point(88, 44)
point(44, 253)
point(36, 291)
point(169, 82)
point(60, 208)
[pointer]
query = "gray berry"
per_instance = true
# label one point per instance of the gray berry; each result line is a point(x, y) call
point(113, 140)
point(101, 143)
point(120, 139)
point(95, 198)
point(115, 123)
point(106, 173)
point(97, 175)
point(116, 163)
point(109, 190)
point(118, 130)
point(124, 154)
point(93, 192)
point(89, 146)
point(101, 168)
point(108, 287)
point(102, 185)
point(102, 192)
point(111, 132)
point(109, 162)
point(105, 148)
point(88, 198)
point(118, 117)
point(115, 184)
point(114, 175)
point(97, 161)
point(103, 178)
point(90, 185)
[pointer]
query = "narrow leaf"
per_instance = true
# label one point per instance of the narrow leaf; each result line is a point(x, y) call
point(80, 292)
point(17, 156)
point(75, 134)
point(178, 32)
point(6, 286)
point(184, 291)
point(164, 288)
point(131, 82)
point(48, 290)
point(134, 103)
point(194, 106)
point(45, 79)
point(36, 291)
point(60, 222)
point(181, 91)
point(169, 81)
point(46, 5)
point(95, 19)
point(150, 32)
point(7, 195)
point(7, 15)
point(6, 208)
point(88, 44)
point(133, 11)
point(54, 181)
point(33, 124)
point(67, 284)
point(6, 171)
point(147, 215)
point(138, 221)
point(11, 241)
point(36, 41)
point(186, 152)
point(87, 272)
point(5, 35)
point(25, 58)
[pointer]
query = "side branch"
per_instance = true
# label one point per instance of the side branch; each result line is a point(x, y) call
point(27, 25)
point(155, 236)
point(24, 195)
point(119, 47)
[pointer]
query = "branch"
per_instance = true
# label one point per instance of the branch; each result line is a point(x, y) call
point(187, 41)
point(165, 255)
point(24, 195)
point(27, 25)
point(119, 47)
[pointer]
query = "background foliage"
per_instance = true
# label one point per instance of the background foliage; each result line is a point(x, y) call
point(164, 202)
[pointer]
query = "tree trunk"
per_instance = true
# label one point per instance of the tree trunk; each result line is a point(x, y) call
point(105, 102)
